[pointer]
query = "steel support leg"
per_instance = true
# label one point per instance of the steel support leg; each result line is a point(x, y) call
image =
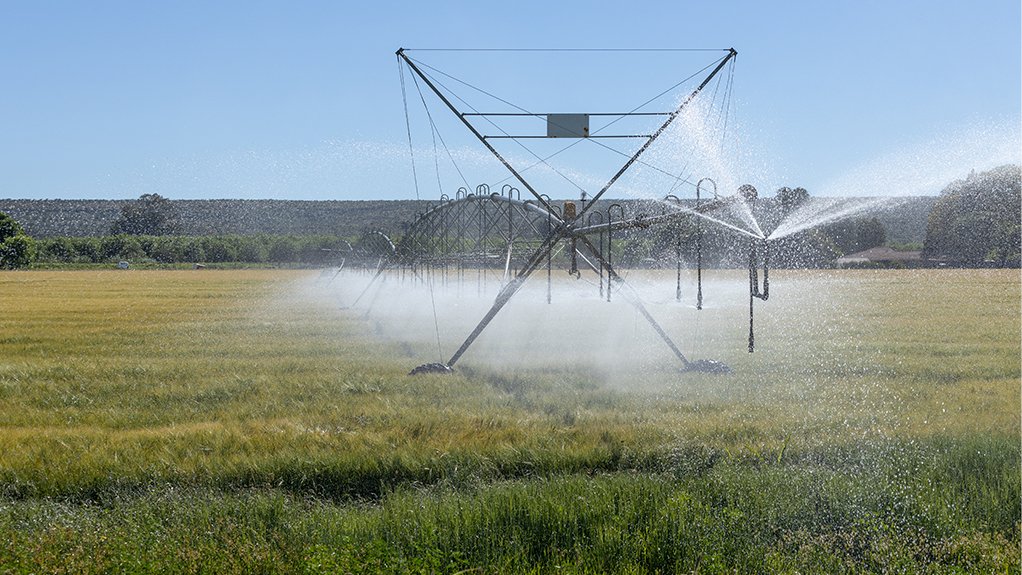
point(506, 293)
point(633, 298)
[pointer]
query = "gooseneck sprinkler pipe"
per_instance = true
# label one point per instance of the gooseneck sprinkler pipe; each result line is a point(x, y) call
point(599, 245)
point(610, 242)
point(699, 242)
point(549, 256)
point(754, 290)
point(677, 247)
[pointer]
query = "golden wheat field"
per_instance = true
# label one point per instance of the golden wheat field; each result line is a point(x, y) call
point(875, 428)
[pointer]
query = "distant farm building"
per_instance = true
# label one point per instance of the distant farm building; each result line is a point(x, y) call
point(881, 256)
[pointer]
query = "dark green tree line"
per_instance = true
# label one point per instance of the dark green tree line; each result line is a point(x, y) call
point(17, 250)
point(320, 249)
point(976, 221)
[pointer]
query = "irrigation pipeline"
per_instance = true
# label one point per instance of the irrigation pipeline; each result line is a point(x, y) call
point(500, 232)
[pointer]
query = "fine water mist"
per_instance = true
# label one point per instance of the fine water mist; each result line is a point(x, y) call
point(579, 329)
point(924, 168)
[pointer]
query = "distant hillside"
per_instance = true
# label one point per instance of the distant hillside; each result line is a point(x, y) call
point(50, 218)
point(907, 222)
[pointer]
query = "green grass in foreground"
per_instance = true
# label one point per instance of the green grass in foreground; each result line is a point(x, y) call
point(219, 422)
point(731, 516)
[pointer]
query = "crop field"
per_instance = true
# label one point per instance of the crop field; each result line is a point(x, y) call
point(211, 421)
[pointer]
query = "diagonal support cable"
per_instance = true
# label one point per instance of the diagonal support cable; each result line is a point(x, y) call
point(731, 54)
point(472, 129)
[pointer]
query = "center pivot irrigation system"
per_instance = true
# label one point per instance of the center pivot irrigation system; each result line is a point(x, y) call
point(487, 229)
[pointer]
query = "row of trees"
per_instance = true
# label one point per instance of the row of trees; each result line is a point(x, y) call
point(975, 221)
point(201, 249)
point(155, 214)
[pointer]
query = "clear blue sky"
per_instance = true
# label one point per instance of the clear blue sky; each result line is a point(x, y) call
point(301, 100)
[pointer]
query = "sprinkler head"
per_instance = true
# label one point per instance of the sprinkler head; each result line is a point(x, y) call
point(708, 366)
point(748, 192)
point(569, 211)
point(431, 368)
